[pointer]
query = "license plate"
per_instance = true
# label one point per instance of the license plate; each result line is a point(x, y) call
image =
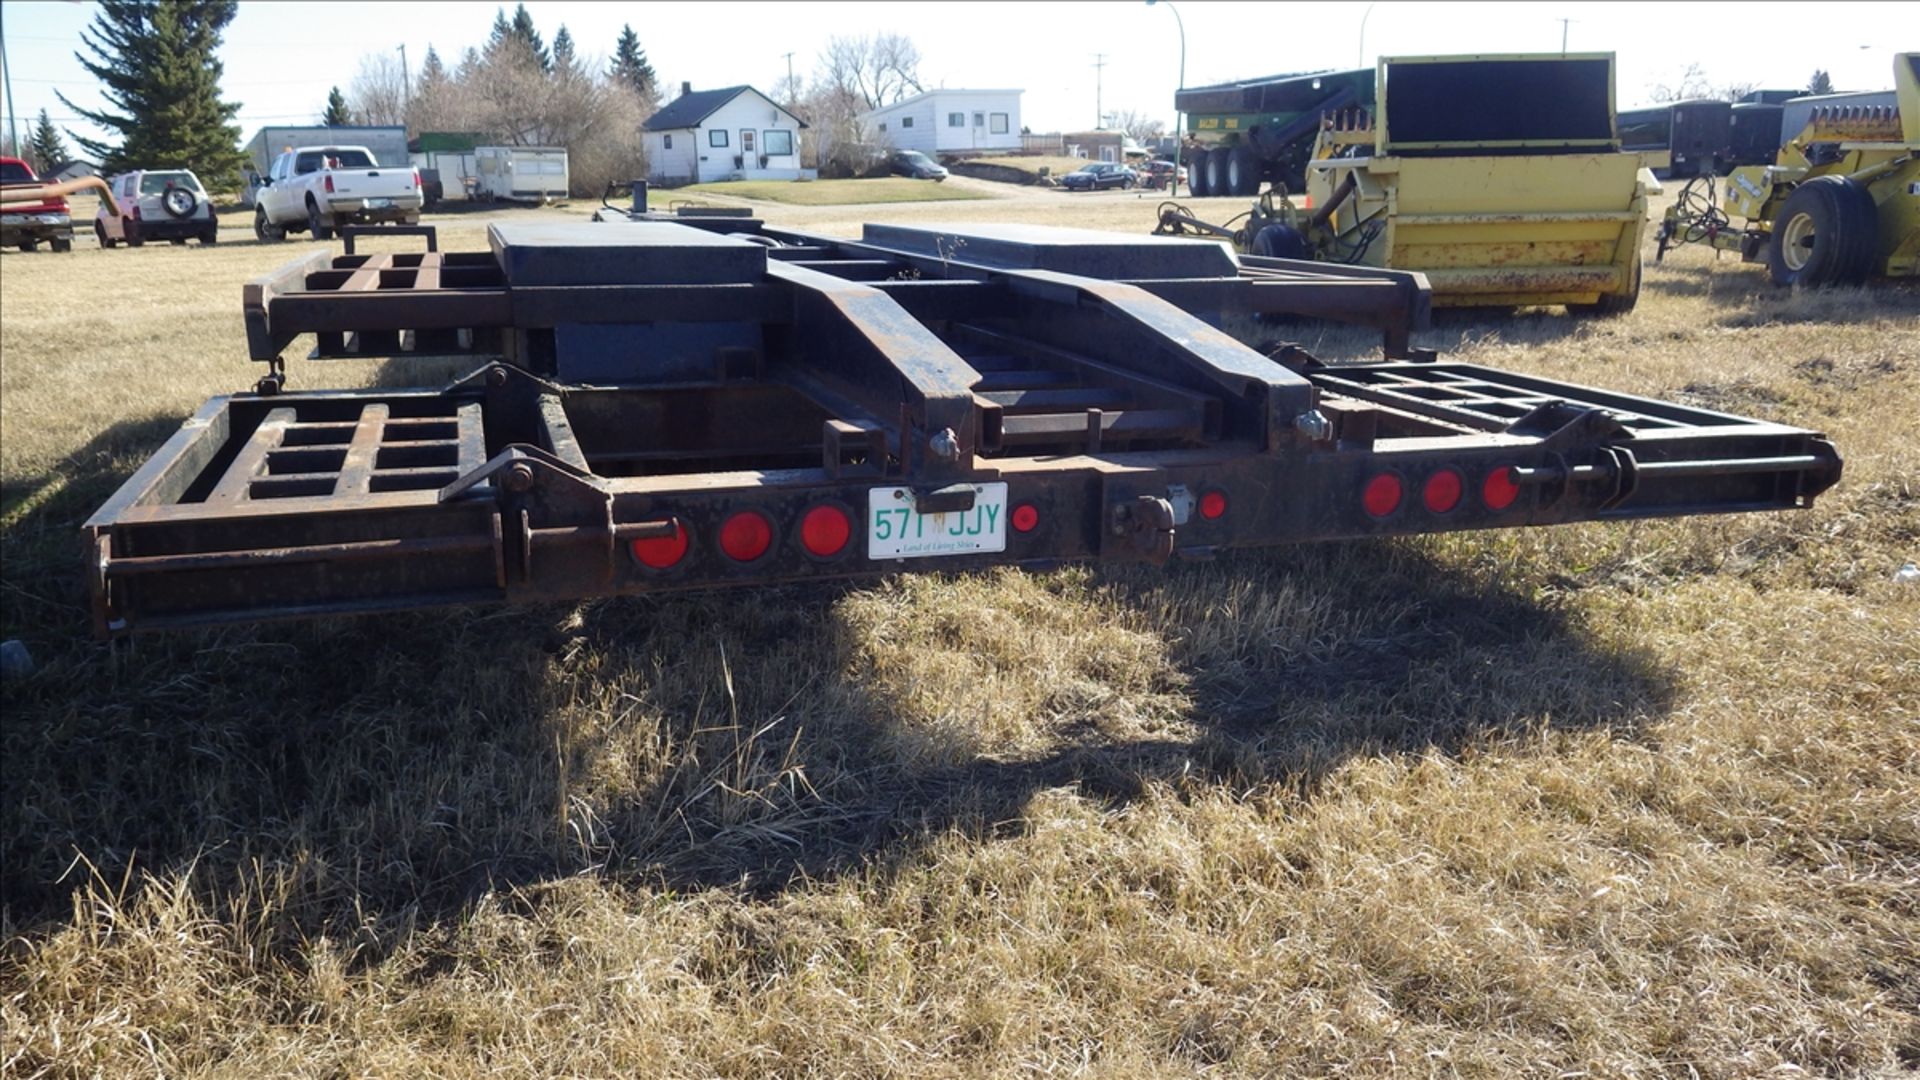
point(898, 530)
point(379, 204)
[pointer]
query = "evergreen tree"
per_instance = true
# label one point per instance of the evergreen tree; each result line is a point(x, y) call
point(44, 147)
point(1821, 83)
point(433, 73)
point(156, 63)
point(529, 38)
point(337, 114)
point(630, 65)
point(564, 61)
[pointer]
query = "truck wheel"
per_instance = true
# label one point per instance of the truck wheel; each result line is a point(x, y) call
point(1613, 303)
point(1243, 171)
point(100, 234)
point(1197, 174)
point(264, 230)
point(62, 245)
point(316, 224)
point(131, 230)
point(29, 245)
point(1825, 234)
point(211, 236)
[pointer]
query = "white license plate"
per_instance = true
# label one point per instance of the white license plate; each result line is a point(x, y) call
point(897, 530)
point(379, 204)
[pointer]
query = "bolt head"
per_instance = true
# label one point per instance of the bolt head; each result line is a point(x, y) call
point(519, 477)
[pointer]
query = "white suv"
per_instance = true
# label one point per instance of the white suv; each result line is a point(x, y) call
point(157, 204)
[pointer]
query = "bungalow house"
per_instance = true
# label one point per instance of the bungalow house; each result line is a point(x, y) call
point(949, 122)
point(735, 133)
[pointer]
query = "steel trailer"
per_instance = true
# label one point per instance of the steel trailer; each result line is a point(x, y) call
point(710, 401)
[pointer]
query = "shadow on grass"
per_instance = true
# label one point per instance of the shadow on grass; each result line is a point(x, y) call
point(407, 764)
point(1746, 297)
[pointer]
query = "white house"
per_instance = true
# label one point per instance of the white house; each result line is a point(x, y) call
point(736, 133)
point(949, 121)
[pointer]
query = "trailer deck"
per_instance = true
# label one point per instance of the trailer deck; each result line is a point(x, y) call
point(700, 402)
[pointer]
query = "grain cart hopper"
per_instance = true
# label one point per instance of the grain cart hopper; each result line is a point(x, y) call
point(1500, 178)
point(1245, 133)
point(660, 406)
point(1840, 203)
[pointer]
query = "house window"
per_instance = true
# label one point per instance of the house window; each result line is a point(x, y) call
point(956, 119)
point(883, 125)
point(999, 124)
point(779, 143)
point(717, 137)
point(979, 119)
point(906, 121)
point(669, 141)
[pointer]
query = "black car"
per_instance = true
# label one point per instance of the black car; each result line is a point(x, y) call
point(917, 165)
point(1100, 174)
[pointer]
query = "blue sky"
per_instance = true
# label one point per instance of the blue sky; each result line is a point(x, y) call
point(282, 56)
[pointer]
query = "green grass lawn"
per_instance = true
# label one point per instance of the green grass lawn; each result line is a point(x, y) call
point(889, 189)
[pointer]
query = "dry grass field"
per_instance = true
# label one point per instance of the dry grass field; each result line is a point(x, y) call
point(1627, 800)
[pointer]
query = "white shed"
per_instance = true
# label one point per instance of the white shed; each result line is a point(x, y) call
point(736, 133)
point(949, 122)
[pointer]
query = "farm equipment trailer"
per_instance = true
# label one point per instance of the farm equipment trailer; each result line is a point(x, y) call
point(1500, 178)
point(1839, 204)
point(709, 401)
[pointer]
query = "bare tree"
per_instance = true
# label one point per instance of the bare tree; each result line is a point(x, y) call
point(378, 95)
point(1138, 126)
point(1691, 84)
point(879, 70)
point(1735, 91)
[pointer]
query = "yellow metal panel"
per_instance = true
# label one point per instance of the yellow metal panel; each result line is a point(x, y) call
point(1523, 184)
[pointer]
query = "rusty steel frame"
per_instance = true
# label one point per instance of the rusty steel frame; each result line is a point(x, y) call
point(1101, 399)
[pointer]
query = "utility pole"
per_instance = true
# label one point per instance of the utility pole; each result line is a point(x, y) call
point(1099, 113)
point(13, 121)
point(791, 96)
point(1564, 23)
point(406, 83)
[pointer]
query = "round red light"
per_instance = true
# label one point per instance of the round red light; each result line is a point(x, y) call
point(1025, 518)
point(1500, 491)
point(661, 552)
point(1382, 495)
point(1442, 492)
point(746, 536)
point(825, 530)
point(1213, 504)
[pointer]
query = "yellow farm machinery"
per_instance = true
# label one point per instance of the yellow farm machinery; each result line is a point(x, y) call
point(1499, 178)
point(1840, 203)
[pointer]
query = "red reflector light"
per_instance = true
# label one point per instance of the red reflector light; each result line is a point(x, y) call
point(329, 182)
point(1213, 504)
point(661, 552)
point(825, 531)
point(1382, 496)
point(1442, 492)
point(1025, 518)
point(746, 536)
point(1500, 491)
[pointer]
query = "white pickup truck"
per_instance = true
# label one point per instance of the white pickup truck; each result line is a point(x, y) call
point(317, 189)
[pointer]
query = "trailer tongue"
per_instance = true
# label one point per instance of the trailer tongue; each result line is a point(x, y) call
point(662, 406)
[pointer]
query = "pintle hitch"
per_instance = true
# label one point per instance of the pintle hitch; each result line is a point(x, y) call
point(1146, 523)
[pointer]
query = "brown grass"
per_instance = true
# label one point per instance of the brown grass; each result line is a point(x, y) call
point(1622, 800)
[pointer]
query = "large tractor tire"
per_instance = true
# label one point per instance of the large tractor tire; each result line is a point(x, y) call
point(1197, 174)
point(1612, 304)
point(1243, 171)
point(1217, 172)
point(1825, 234)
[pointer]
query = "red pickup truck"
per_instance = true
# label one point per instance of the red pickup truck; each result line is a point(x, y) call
point(26, 224)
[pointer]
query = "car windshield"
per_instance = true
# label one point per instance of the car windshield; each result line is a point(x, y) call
point(335, 159)
point(12, 172)
point(157, 183)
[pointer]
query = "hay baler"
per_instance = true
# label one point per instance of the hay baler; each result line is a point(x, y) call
point(1500, 178)
point(708, 401)
point(1840, 203)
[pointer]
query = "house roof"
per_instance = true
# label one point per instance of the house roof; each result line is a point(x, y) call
point(924, 94)
point(690, 109)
